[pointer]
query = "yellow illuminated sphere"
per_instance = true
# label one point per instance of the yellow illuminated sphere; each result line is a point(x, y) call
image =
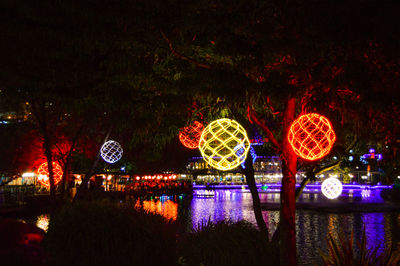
point(220, 141)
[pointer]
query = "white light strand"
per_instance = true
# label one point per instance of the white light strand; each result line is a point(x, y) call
point(331, 188)
point(111, 151)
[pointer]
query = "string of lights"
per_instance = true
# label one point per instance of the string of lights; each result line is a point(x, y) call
point(43, 174)
point(311, 136)
point(190, 135)
point(218, 141)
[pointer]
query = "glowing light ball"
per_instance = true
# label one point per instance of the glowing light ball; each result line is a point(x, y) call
point(311, 136)
point(219, 144)
point(111, 151)
point(331, 188)
point(190, 135)
point(43, 174)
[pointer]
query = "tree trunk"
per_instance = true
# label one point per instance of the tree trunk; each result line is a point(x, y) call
point(47, 148)
point(40, 113)
point(84, 185)
point(288, 202)
point(249, 173)
point(64, 183)
point(300, 189)
point(67, 162)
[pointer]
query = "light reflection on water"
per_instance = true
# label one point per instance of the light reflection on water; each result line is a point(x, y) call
point(312, 227)
point(167, 208)
point(43, 222)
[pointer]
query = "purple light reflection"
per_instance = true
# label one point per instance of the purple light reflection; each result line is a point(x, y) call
point(346, 187)
point(312, 227)
point(375, 231)
point(368, 193)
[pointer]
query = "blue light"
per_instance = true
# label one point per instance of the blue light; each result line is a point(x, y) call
point(351, 158)
point(253, 154)
point(362, 159)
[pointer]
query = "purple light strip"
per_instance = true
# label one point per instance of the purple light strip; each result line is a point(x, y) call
point(346, 187)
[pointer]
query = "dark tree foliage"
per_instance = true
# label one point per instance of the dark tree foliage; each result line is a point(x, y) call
point(137, 66)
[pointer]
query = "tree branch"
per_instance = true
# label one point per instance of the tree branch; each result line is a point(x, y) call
point(60, 151)
point(328, 167)
point(181, 56)
point(270, 135)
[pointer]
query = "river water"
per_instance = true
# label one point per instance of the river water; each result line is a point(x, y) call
point(312, 226)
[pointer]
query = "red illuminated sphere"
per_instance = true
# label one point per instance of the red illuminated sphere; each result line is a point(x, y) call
point(311, 136)
point(43, 174)
point(190, 135)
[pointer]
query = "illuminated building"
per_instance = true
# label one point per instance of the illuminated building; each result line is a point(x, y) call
point(14, 116)
point(267, 169)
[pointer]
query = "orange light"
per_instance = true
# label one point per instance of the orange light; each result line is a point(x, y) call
point(158, 177)
point(311, 136)
point(43, 174)
point(168, 209)
point(190, 135)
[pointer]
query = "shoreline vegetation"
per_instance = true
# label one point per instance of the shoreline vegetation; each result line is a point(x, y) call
point(83, 233)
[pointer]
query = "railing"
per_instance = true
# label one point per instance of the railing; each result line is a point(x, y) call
point(12, 196)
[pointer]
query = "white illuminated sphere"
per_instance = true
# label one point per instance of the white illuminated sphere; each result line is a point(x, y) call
point(331, 188)
point(111, 151)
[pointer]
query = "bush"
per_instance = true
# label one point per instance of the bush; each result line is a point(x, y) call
point(227, 243)
point(94, 233)
point(341, 251)
point(20, 243)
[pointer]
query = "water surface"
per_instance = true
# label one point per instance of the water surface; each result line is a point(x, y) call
point(312, 226)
